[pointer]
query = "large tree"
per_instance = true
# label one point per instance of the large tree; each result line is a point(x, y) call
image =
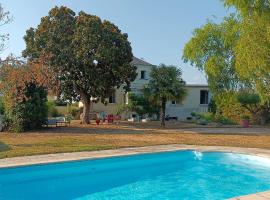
point(165, 84)
point(91, 57)
point(253, 47)
point(235, 53)
point(211, 49)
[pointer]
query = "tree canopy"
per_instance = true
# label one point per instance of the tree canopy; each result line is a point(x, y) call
point(249, 8)
point(89, 56)
point(165, 84)
point(211, 49)
point(235, 53)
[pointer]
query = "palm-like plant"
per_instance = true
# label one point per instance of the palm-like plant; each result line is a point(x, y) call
point(166, 83)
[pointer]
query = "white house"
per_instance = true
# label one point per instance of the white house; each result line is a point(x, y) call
point(197, 99)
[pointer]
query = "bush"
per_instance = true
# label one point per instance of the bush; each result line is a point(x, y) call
point(52, 111)
point(225, 121)
point(193, 114)
point(24, 91)
point(229, 107)
point(31, 113)
point(74, 111)
point(210, 117)
point(245, 117)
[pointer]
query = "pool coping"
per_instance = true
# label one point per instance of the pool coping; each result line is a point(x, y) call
point(87, 155)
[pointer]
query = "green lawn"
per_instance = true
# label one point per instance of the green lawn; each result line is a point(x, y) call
point(72, 139)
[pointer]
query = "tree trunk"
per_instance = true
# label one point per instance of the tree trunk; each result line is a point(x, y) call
point(86, 103)
point(162, 112)
point(86, 111)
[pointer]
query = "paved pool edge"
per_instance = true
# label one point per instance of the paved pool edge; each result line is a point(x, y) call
point(257, 196)
point(76, 156)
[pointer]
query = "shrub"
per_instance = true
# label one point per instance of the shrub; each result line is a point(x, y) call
point(258, 110)
point(245, 117)
point(229, 107)
point(225, 121)
point(52, 111)
point(23, 87)
point(210, 117)
point(74, 111)
point(193, 114)
point(31, 113)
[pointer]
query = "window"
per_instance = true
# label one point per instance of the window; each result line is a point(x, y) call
point(143, 75)
point(112, 98)
point(204, 97)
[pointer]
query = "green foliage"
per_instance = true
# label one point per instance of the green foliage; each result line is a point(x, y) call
point(60, 102)
point(235, 57)
point(246, 98)
point(193, 114)
point(141, 105)
point(52, 110)
point(217, 118)
point(245, 117)
point(166, 83)
point(249, 7)
point(31, 113)
point(212, 106)
point(229, 107)
point(74, 111)
point(211, 49)
point(209, 117)
point(2, 106)
point(224, 120)
point(253, 46)
point(252, 103)
point(91, 57)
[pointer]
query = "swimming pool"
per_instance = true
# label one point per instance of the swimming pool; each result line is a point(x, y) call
point(168, 175)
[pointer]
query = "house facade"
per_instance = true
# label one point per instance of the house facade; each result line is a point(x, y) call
point(197, 99)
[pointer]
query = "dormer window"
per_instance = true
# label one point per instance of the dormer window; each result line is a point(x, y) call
point(143, 73)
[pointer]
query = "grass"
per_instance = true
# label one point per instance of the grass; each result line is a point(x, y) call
point(89, 138)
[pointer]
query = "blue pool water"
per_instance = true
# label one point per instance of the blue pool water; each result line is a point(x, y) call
point(171, 175)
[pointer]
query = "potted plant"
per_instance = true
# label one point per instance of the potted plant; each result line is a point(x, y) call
point(245, 121)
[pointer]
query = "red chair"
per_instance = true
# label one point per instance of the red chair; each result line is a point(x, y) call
point(110, 118)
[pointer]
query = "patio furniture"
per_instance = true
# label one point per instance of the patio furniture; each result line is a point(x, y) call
point(58, 121)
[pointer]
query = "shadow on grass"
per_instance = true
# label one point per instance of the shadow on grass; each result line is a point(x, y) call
point(4, 147)
point(90, 129)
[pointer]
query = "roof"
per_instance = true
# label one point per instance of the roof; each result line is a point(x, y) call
point(137, 61)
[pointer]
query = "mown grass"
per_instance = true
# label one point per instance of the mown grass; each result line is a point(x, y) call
point(99, 138)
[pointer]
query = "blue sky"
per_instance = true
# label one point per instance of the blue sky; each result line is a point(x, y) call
point(157, 29)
